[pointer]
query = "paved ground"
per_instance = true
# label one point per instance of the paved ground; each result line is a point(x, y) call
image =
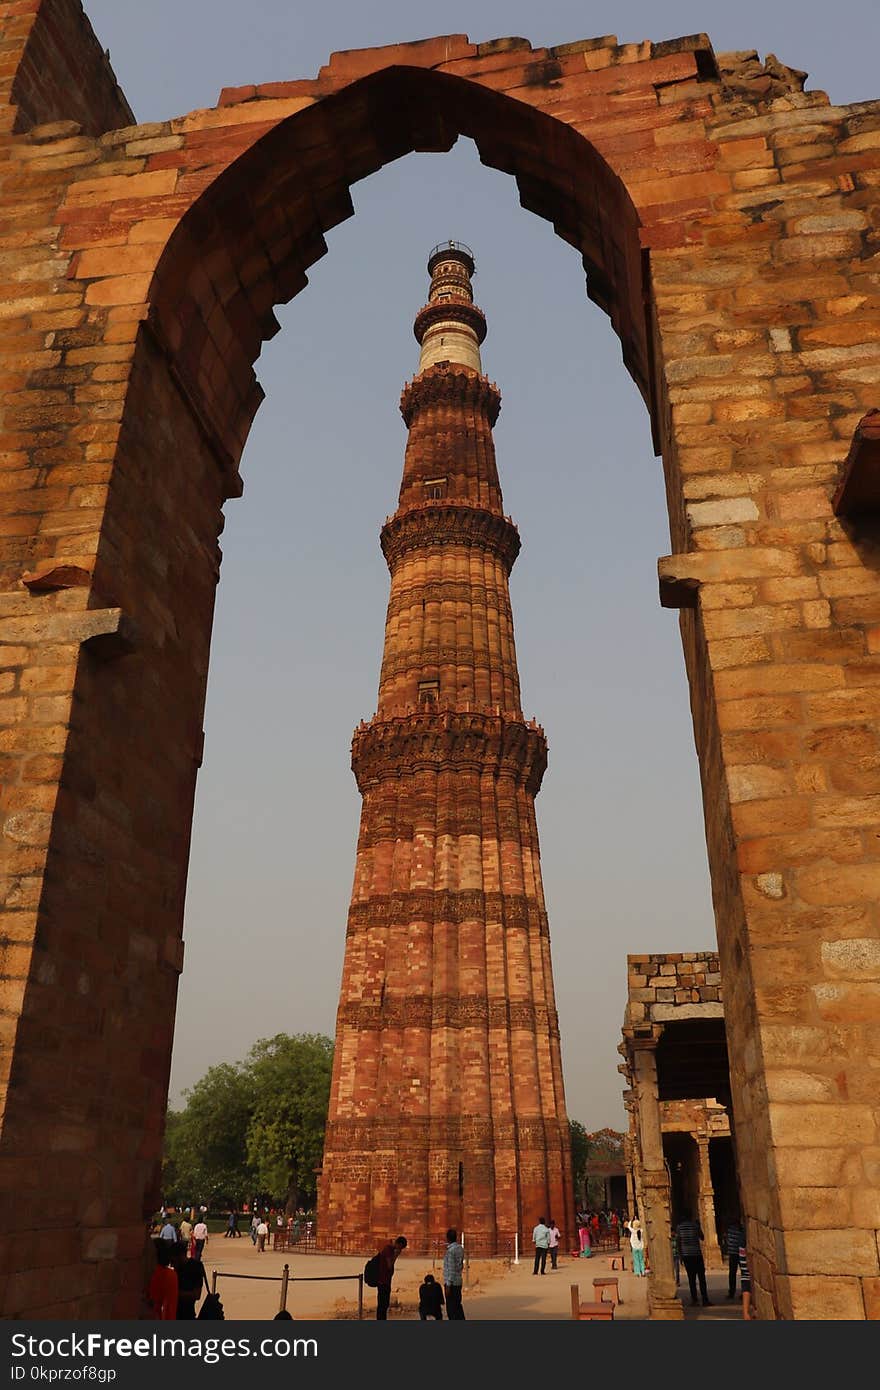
point(325, 1286)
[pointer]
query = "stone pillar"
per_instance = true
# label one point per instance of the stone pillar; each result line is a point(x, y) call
point(706, 1203)
point(630, 1190)
point(662, 1300)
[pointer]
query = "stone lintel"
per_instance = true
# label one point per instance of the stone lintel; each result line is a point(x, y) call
point(661, 1013)
point(679, 585)
point(89, 627)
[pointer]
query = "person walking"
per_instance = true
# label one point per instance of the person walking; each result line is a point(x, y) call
point(169, 1232)
point(430, 1299)
point(541, 1238)
point(453, 1276)
point(554, 1242)
point(637, 1246)
point(232, 1225)
point(690, 1234)
point(387, 1260)
point(262, 1232)
point(255, 1221)
point(200, 1236)
point(734, 1241)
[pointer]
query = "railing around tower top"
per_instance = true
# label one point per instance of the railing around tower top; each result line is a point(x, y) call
point(451, 246)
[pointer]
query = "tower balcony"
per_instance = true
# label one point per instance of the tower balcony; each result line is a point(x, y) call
point(440, 740)
point(449, 521)
point(446, 383)
point(450, 311)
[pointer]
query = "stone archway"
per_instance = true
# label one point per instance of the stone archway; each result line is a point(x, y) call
point(727, 221)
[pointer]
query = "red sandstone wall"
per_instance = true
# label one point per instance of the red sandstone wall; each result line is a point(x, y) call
point(54, 69)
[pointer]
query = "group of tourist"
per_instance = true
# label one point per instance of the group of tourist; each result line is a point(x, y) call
point(432, 1296)
point(592, 1225)
point(179, 1278)
point(687, 1248)
point(191, 1231)
point(545, 1238)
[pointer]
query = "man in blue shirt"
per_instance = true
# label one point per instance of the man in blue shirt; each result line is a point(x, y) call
point(541, 1237)
point(453, 1266)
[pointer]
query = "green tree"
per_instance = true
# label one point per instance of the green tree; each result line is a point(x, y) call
point(206, 1142)
point(603, 1146)
point(285, 1141)
point(607, 1145)
point(579, 1153)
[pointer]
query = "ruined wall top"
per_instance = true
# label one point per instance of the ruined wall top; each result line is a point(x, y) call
point(664, 985)
point(63, 74)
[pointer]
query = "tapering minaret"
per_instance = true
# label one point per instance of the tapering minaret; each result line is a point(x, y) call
point(447, 1103)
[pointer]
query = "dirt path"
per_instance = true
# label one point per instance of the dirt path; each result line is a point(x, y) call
point(325, 1286)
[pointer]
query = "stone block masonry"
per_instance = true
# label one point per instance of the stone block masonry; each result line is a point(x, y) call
point(728, 224)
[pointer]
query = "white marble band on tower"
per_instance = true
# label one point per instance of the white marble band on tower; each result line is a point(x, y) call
point(450, 327)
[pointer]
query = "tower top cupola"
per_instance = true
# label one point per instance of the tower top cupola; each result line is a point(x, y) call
point(450, 327)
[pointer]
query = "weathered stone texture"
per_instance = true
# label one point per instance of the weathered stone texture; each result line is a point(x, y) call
point(138, 270)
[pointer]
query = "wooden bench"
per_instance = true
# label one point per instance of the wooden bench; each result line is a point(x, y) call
point(590, 1312)
point(618, 1262)
point(610, 1283)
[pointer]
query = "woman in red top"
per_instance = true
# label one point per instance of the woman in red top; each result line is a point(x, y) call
point(162, 1291)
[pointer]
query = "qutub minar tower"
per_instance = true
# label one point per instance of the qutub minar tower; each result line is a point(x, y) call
point(447, 1104)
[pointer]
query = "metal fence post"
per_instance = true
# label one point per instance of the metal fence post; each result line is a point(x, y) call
point(285, 1276)
point(213, 1281)
point(360, 1297)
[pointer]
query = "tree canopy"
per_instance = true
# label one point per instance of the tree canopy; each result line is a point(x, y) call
point(255, 1126)
point(285, 1137)
point(579, 1153)
point(600, 1146)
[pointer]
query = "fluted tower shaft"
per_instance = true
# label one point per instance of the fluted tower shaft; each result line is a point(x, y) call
point(447, 1103)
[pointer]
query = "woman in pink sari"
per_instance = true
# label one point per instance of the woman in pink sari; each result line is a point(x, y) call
point(584, 1236)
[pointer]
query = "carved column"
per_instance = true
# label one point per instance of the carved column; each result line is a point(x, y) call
point(706, 1202)
point(662, 1300)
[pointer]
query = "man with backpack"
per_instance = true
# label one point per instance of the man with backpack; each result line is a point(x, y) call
point(379, 1271)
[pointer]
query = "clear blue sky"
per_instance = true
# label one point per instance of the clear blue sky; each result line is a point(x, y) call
point(299, 627)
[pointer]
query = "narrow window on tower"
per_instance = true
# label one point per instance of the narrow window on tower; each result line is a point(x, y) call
point(429, 692)
point(461, 1179)
point(434, 488)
